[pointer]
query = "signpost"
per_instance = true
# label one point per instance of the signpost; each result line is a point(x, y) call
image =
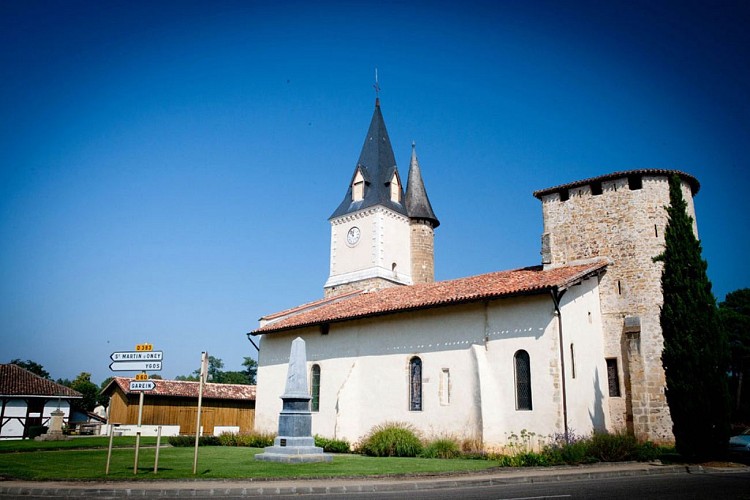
point(142, 359)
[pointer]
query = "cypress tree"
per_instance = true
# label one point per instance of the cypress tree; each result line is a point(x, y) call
point(695, 355)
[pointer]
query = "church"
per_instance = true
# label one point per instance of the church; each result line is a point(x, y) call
point(571, 343)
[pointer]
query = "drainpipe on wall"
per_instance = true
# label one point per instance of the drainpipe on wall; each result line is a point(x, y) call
point(556, 296)
point(251, 341)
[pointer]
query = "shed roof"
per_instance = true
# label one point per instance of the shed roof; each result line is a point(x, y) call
point(502, 284)
point(186, 389)
point(16, 381)
point(694, 184)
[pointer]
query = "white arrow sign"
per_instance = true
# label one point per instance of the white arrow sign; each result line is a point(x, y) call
point(135, 366)
point(137, 356)
point(142, 385)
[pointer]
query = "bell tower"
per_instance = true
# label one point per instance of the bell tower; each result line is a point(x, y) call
point(380, 236)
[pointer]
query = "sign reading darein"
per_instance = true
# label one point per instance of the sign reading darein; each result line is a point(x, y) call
point(145, 385)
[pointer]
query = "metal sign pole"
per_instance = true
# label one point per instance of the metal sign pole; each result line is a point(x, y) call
point(138, 432)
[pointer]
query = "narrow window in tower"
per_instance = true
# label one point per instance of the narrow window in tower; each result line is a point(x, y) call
point(395, 189)
point(613, 378)
point(596, 188)
point(415, 384)
point(358, 187)
point(619, 287)
point(523, 380)
point(564, 195)
point(656, 230)
point(315, 389)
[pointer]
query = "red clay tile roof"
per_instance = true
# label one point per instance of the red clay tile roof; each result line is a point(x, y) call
point(530, 280)
point(15, 381)
point(694, 184)
point(185, 389)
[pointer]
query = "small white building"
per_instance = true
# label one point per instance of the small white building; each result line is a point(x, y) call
point(28, 400)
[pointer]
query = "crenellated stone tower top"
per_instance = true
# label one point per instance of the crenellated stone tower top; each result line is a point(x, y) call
point(622, 216)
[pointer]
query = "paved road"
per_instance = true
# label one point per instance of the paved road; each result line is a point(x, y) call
point(625, 480)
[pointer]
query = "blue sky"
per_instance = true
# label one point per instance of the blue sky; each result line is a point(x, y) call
point(168, 167)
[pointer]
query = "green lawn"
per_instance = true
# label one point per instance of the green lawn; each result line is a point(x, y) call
point(13, 445)
point(214, 462)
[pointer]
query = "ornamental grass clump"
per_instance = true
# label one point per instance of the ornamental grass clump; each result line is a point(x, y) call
point(250, 439)
point(391, 439)
point(445, 447)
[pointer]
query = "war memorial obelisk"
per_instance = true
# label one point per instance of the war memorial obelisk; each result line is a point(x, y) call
point(295, 443)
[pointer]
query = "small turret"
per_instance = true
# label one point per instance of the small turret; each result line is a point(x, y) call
point(422, 224)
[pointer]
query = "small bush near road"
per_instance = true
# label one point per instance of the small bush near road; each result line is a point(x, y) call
point(392, 439)
point(442, 448)
point(332, 445)
point(184, 441)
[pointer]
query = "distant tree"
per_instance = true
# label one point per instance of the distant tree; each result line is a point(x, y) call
point(155, 376)
point(88, 389)
point(101, 398)
point(695, 355)
point(735, 315)
point(234, 377)
point(218, 376)
point(251, 369)
point(31, 366)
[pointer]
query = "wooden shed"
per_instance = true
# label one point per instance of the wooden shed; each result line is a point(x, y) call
point(175, 402)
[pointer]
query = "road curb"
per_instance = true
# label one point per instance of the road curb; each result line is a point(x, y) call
point(179, 489)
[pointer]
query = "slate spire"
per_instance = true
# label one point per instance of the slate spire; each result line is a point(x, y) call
point(377, 165)
point(417, 203)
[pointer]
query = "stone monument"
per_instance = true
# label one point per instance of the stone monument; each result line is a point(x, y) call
point(55, 432)
point(295, 443)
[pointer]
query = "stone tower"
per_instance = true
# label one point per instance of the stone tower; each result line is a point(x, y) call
point(423, 224)
point(622, 216)
point(371, 230)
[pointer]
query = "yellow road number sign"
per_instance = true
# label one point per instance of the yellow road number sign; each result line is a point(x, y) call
point(144, 347)
point(141, 376)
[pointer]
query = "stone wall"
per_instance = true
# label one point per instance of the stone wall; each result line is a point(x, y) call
point(623, 219)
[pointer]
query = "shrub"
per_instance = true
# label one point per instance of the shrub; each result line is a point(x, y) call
point(332, 445)
point(442, 448)
point(184, 441)
point(251, 439)
point(391, 439)
point(570, 449)
point(613, 447)
point(648, 451)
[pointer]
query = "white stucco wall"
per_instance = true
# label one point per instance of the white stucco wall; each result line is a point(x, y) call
point(365, 369)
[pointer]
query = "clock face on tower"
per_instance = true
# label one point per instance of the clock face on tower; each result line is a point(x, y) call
point(352, 237)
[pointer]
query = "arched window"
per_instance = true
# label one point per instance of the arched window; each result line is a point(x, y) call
point(315, 405)
point(415, 384)
point(523, 380)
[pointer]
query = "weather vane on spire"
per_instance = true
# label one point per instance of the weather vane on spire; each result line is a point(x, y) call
point(377, 87)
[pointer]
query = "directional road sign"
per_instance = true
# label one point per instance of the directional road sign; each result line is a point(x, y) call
point(137, 356)
point(142, 385)
point(132, 366)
